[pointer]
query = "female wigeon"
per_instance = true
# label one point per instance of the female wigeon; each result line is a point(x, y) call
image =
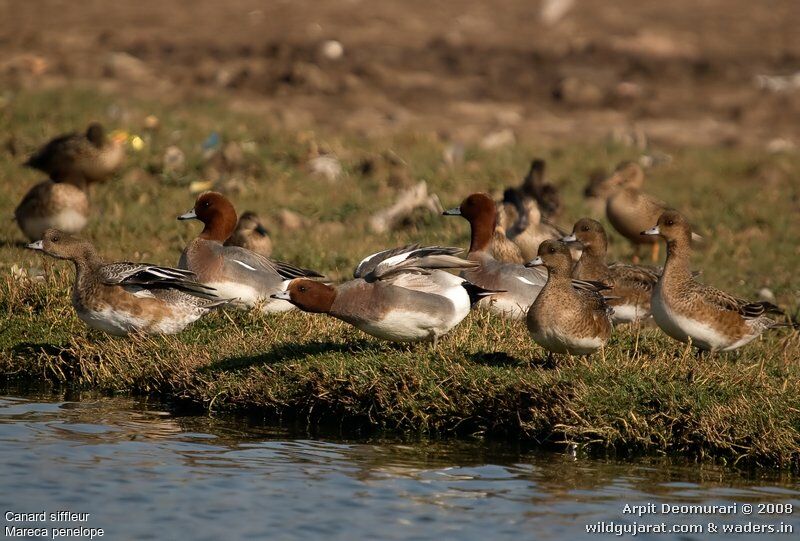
point(528, 228)
point(565, 318)
point(629, 209)
point(631, 285)
point(236, 273)
point(518, 285)
point(401, 295)
point(251, 234)
point(81, 157)
point(59, 205)
point(124, 298)
point(690, 311)
point(503, 248)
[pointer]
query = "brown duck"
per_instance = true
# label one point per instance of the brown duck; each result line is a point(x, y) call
point(81, 158)
point(251, 234)
point(59, 205)
point(689, 311)
point(123, 298)
point(567, 317)
point(631, 285)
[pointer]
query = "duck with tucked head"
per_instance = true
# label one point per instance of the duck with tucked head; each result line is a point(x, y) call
point(687, 310)
point(631, 285)
point(52, 205)
point(519, 286)
point(124, 298)
point(251, 234)
point(235, 272)
point(567, 316)
point(401, 295)
point(81, 158)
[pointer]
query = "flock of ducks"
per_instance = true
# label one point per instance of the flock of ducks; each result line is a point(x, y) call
point(518, 266)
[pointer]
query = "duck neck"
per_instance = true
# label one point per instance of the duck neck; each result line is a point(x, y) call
point(218, 230)
point(85, 267)
point(591, 265)
point(678, 257)
point(483, 228)
point(558, 277)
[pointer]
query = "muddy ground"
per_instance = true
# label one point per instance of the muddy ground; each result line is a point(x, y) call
point(683, 72)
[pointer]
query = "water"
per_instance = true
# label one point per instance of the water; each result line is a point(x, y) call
point(142, 473)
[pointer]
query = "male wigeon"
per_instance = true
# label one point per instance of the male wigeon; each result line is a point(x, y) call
point(629, 209)
point(401, 295)
point(124, 298)
point(687, 310)
point(59, 205)
point(567, 317)
point(81, 157)
point(235, 272)
point(251, 234)
point(631, 285)
point(518, 285)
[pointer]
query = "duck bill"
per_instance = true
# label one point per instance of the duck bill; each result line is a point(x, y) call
point(452, 212)
point(569, 238)
point(190, 215)
point(537, 262)
point(282, 296)
point(262, 230)
point(652, 231)
point(35, 245)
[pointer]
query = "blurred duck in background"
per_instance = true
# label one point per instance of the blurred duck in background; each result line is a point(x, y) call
point(251, 234)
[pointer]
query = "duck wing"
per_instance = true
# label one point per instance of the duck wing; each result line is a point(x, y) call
point(146, 276)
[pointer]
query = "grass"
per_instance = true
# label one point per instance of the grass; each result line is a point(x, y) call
point(644, 394)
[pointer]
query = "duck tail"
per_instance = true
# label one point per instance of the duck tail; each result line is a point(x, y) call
point(476, 292)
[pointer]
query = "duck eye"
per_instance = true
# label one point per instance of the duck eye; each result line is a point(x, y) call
point(302, 289)
point(552, 250)
point(206, 204)
point(670, 222)
point(56, 238)
point(585, 228)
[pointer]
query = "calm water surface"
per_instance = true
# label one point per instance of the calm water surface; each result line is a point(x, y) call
point(143, 473)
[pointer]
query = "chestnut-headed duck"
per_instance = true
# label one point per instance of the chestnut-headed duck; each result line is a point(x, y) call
point(124, 298)
point(687, 310)
point(401, 295)
point(81, 157)
point(235, 272)
point(567, 317)
point(631, 285)
point(251, 234)
point(49, 204)
point(519, 285)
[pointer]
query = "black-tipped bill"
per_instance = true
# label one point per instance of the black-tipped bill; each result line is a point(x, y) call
point(35, 245)
point(652, 231)
point(452, 212)
point(188, 215)
point(536, 262)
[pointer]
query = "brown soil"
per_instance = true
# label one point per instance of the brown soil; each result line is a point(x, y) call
point(680, 72)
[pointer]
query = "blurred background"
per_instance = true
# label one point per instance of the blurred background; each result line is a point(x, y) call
point(684, 72)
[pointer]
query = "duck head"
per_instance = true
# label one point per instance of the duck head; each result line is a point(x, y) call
point(216, 213)
point(308, 295)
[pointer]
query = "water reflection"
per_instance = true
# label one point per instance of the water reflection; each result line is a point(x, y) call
point(144, 473)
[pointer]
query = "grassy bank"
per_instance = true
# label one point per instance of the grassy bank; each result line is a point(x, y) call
point(645, 394)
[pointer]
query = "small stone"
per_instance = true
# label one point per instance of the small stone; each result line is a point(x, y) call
point(766, 294)
point(498, 139)
point(174, 160)
point(326, 166)
point(331, 49)
point(151, 123)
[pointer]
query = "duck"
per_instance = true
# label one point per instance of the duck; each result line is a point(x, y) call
point(503, 248)
point(631, 285)
point(80, 158)
point(234, 272)
point(630, 210)
point(567, 316)
point(124, 298)
point(517, 285)
point(527, 211)
point(400, 295)
point(691, 312)
point(56, 205)
point(251, 234)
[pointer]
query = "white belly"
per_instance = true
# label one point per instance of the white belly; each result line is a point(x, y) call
point(558, 342)
point(119, 323)
point(249, 297)
point(68, 220)
point(683, 328)
point(402, 326)
point(628, 313)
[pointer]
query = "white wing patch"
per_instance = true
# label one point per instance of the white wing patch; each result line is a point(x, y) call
point(245, 265)
point(526, 281)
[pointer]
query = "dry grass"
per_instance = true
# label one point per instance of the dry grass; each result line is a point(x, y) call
point(644, 394)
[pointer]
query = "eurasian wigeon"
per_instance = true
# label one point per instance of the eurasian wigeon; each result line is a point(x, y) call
point(59, 205)
point(631, 285)
point(528, 228)
point(401, 295)
point(251, 234)
point(124, 298)
point(519, 285)
point(629, 209)
point(567, 317)
point(503, 248)
point(687, 310)
point(81, 157)
point(236, 273)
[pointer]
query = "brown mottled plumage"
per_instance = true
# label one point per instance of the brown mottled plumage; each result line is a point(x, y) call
point(80, 158)
point(251, 234)
point(565, 318)
point(690, 311)
point(121, 298)
point(631, 285)
point(52, 205)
